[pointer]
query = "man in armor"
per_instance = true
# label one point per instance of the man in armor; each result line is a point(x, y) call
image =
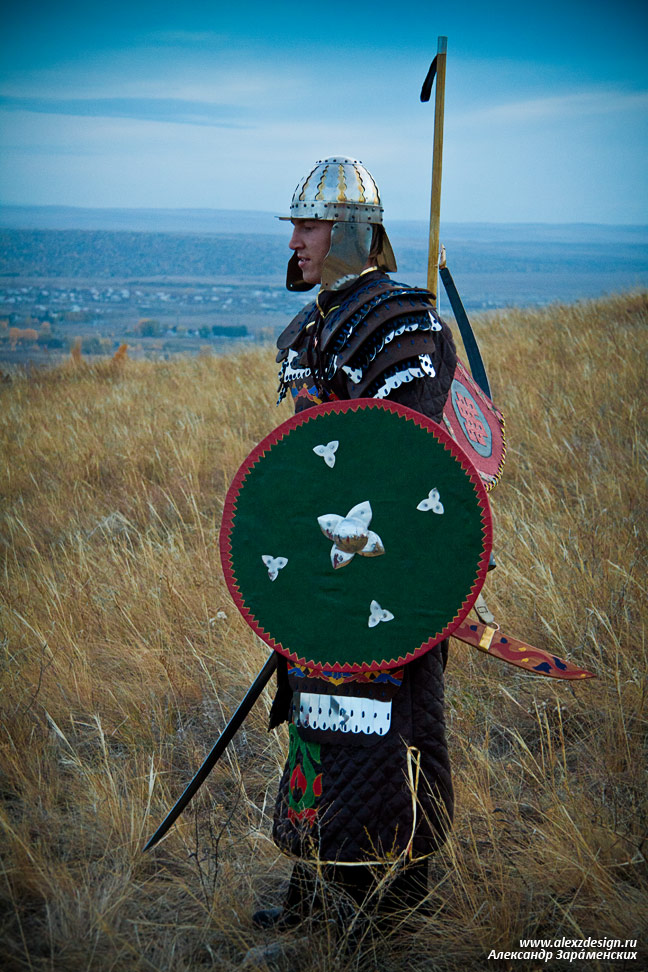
point(363, 810)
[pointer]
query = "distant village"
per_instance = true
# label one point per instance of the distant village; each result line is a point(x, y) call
point(42, 319)
point(167, 293)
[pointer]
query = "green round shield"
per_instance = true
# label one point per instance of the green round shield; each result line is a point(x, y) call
point(355, 536)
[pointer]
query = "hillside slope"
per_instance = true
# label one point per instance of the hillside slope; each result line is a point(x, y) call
point(123, 658)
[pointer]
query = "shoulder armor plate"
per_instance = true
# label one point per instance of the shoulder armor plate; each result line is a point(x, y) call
point(287, 336)
point(365, 323)
point(362, 302)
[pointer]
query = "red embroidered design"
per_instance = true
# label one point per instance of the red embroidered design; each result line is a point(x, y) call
point(472, 423)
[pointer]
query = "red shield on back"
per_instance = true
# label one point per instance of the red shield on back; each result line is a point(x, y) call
point(476, 425)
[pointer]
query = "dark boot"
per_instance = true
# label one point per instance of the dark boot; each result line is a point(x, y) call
point(300, 901)
point(402, 900)
point(386, 904)
point(277, 918)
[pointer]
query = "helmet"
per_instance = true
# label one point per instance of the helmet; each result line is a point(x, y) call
point(343, 191)
point(337, 188)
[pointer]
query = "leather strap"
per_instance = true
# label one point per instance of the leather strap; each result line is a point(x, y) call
point(482, 610)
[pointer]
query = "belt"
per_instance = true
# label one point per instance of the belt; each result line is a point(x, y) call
point(340, 713)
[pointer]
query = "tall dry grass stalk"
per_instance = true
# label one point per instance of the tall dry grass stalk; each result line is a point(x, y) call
point(123, 658)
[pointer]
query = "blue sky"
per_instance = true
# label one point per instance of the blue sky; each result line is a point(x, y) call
point(226, 105)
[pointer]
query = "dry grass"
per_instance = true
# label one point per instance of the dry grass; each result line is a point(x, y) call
point(123, 657)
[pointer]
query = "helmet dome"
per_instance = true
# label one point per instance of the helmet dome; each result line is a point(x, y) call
point(339, 189)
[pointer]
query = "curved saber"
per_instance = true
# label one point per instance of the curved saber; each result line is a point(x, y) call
point(475, 359)
point(218, 749)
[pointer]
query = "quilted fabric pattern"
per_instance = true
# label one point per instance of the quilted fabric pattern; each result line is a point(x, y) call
point(365, 811)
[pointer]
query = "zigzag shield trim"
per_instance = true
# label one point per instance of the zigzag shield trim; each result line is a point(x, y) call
point(355, 536)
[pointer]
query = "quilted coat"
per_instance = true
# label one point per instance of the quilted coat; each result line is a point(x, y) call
point(357, 797)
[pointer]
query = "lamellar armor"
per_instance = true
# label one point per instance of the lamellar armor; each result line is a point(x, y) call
point(383, 339)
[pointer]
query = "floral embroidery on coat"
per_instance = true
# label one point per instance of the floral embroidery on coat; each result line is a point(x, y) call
point(305, 781)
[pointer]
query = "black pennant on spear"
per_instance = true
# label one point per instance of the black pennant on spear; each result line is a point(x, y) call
point(438, 70)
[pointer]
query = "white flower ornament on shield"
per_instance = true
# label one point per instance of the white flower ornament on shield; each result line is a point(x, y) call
point(378, 614)
point(327, 452)
point(274, 565)
point(431, 502)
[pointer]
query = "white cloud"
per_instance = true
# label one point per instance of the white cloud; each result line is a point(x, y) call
point(567, 105)
point(523, 158)
point(223, 80)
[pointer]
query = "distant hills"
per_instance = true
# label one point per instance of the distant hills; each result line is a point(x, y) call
point(494, 264)
point(231, 221)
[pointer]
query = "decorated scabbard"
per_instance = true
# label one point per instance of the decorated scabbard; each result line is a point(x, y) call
point(535, 660)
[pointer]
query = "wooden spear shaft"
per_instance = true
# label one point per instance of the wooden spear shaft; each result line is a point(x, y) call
point(437, 164)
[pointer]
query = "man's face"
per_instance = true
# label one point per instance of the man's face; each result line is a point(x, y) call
point(311, 240)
